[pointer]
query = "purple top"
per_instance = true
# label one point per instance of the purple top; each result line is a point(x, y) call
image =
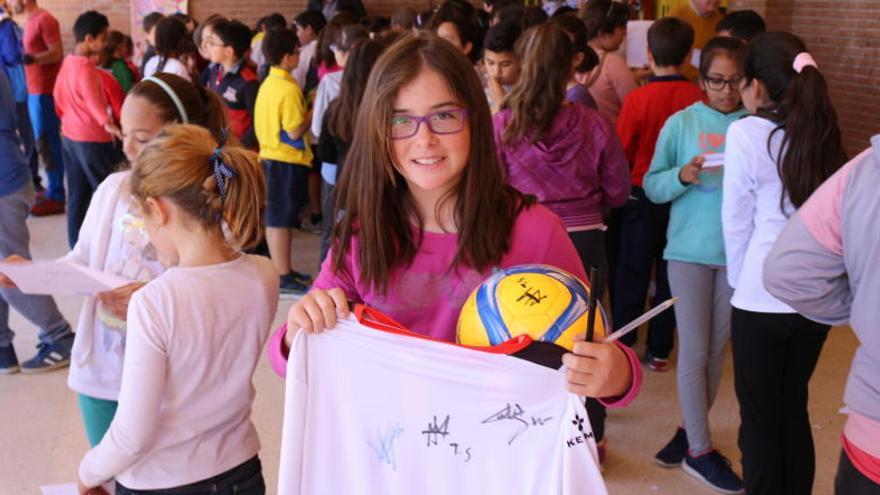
point(579, 94)
point(577, 169)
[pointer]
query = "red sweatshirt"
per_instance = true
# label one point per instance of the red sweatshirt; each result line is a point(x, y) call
point(80, 101)
point(644, 112)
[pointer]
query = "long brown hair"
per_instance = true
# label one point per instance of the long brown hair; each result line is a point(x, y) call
point(373, 196)
point(343, 111)
point(178, 165)
point(811, 149)
point(547, 54)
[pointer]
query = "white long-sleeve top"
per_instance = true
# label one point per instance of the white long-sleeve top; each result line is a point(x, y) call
point(194, 338)
point(328, 90)
point(751, 214)
point(104, 242)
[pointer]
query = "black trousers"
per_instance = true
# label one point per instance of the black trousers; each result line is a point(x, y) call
point(774, 356)
point(850, 481)
point(590, 245)
point(642, 240)
point(244, 479)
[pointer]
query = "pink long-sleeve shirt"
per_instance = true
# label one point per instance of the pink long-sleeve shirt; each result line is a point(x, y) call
point(426, 297)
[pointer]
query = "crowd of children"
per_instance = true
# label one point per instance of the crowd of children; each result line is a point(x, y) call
point(428, 150)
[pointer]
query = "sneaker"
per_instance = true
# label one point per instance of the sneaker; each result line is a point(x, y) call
point(49, 357)
point(290, 288)
point(673, 453)
point(657, 364)
point(47, 207)
point(714, 470)
point(8, 360)
point(310, 227)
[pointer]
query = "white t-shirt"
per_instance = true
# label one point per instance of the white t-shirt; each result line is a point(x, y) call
point(195, 335)
point(750, 211)
point(369, 411)
point(172, 66)
point(306, 54)
point(131, 255)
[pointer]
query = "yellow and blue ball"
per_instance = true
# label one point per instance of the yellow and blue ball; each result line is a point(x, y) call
point(542, 301)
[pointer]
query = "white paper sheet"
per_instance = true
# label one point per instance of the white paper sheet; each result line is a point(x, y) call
point(59, 278)
point(696, 56)
point(713, 160)
point(70, 489)
point(637, 43)
point(67, 489)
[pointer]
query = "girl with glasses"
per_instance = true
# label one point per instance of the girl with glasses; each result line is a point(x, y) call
point(687, 171)
point(426, 214)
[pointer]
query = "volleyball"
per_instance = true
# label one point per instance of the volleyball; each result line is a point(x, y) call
point(541, 301)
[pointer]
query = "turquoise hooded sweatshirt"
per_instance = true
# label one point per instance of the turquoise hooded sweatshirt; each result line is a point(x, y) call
point(694, 234)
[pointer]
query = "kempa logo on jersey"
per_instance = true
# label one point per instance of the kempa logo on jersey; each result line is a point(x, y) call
point(584, 437)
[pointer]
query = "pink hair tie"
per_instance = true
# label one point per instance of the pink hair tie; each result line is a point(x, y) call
point(802, 60)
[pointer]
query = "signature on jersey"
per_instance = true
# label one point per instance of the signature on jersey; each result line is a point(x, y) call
point(438, 431)
point(384, 446)
point(515, 412)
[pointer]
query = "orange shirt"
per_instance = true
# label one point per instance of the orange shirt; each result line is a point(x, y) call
point(704, 30)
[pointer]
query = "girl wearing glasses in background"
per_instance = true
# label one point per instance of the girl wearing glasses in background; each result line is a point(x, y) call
point(775, 159)
point(687, 171)
point(426, 214)
point(567, 155)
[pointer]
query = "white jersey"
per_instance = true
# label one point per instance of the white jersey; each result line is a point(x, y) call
point(378, 411)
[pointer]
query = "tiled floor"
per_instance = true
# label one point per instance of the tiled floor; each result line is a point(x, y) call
point(42, 440)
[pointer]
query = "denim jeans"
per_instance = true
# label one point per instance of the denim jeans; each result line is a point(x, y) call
point(244, 479)
point(47, 134)
point(88, 164)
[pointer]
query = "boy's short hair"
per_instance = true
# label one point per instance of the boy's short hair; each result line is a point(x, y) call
point(404, 18)
point(311, 18)
point(235, 34)
point(150, 20)
point(604, 16)
point(272, 21)
point(278, 43)
point(742, 24)
point(170, 36)
point(90, 23)
point(502, 37)
point(734, 48)
point(670, 41)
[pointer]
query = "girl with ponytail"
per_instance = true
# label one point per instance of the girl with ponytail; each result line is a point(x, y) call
point(774, 161)
point(113, 239)
point(194, 333)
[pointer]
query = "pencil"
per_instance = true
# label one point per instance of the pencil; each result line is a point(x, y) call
point(641, 319)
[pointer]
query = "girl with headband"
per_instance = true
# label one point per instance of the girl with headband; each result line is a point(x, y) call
point(774, 161)
point(113, 239)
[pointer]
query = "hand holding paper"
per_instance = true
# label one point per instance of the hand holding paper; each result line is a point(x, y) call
point(58, 278)
point(6, 282)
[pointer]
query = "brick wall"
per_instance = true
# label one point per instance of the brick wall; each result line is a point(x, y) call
point(844, 35)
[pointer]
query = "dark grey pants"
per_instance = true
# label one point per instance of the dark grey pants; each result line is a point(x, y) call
point(14, 239)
